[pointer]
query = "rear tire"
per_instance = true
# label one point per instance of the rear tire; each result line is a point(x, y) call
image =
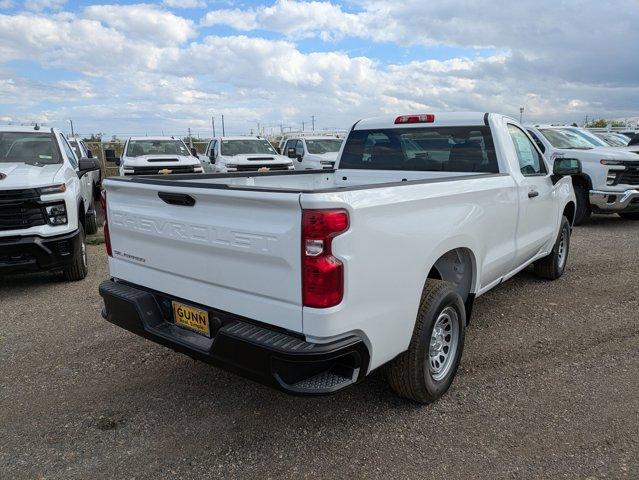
point(426, 370)
point(552, 266)
point(583, 209)
point(79, 267)
point(629, 215)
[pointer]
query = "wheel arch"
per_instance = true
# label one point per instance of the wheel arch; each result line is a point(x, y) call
point(570, 210)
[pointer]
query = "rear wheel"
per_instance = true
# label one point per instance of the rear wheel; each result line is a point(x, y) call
point(426, 370)
point(629, 215)
point(583, 209)
point(553, 265)
point(79, 266)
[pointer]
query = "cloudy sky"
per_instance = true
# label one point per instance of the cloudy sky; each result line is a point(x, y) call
point(150, 67)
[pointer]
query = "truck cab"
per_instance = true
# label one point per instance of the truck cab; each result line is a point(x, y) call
point(245, 154)
point(609, 181)
point(47, 203)
point(155, 155)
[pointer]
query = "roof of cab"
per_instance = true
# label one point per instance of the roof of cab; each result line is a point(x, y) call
point(153, 139)
point(24, 128)
point(447, 119)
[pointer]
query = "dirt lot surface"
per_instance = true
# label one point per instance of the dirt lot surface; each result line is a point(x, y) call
point(548, 388)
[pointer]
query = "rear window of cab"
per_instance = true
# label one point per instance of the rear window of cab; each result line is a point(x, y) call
point(445, 149)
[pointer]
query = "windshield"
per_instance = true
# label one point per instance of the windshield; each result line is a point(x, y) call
point(612, 140)
point(565, 139)
point(32, 148)
point(445, 149)
point(243, 147)
point(137, 148)
point(588, 137)
point(318, 147)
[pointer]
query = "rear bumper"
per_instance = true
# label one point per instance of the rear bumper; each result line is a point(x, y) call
point(627, 200)
point(33, 253)
point(276, 358)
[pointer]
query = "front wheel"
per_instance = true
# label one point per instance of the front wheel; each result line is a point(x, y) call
point(426, 370)
point(629, 215)
point(583, 209)
point(78, 268)
point(553, 265)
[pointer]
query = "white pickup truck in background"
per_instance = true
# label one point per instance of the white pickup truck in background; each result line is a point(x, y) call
point(609, 181)
point(155, 155)
point(308, 281)
point(46, 203)
point(245, 154)
point(311, 152)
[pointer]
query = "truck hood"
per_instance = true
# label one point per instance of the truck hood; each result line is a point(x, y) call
point(261, 158)
point(596, 154)
point(22, 175)
point(159, 160)
point(634, 149)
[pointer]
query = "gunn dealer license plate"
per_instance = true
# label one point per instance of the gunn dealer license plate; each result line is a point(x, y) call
point(192, 318)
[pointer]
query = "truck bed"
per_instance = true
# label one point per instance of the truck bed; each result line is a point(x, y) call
point(300, 181)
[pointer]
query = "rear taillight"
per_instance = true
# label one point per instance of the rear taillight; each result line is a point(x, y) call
point(424, 118)
point(107, 237)
point(322, 273)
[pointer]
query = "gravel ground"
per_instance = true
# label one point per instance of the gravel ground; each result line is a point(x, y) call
point(548, 388)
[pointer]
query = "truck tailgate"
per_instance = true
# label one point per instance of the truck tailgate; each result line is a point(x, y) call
point(236, 251)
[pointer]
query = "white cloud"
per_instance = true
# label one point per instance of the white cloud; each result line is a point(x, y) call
point(184, 3)
point(143, 67)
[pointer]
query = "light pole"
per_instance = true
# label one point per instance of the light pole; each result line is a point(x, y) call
point(72, 133)
point(521, 114)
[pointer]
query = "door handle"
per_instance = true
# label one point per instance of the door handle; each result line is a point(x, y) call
point(533, 194)
point(177, 199)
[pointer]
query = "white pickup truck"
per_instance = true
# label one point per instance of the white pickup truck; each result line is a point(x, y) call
point(312, 152)
point(155, 155)
point(244, 154)
point(46, 203)
point(308, 281)
point(609, 180)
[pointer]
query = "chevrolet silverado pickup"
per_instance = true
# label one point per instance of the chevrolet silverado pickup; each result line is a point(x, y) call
point(309, 280)
point(244, 154)
point(46, 203)
point(609, 180)
point(155, 155)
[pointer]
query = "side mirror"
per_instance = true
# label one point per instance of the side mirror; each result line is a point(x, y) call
point(194, 152)
point(291, 153)
point(565, 167)
point(89, 154)
point(109, 155)
point(87, 165)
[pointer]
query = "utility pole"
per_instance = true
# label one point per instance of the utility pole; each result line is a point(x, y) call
point(303, 125)
point(213, 124)
point(521, 114)
point(190, 139)
point(72, 133)
point(223, 131)
point(313, 118)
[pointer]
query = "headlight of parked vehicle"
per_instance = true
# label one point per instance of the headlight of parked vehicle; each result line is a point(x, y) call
point(61, 188)
point(56, 214)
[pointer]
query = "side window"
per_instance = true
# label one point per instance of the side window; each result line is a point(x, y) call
point(539, 143)
point(299, 148)
point(530, 160)
point(212, 149)
point(68, 152)
point(289, 144)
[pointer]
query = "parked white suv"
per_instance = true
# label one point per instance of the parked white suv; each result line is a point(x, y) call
point(307, 282)
point(155, 155)
point(46, 203)
point(245, 154)
point(312, 152)
point(609, 181)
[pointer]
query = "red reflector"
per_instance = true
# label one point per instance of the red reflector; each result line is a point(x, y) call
point(425, 118)
point(107, 236)
point(322, 273)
